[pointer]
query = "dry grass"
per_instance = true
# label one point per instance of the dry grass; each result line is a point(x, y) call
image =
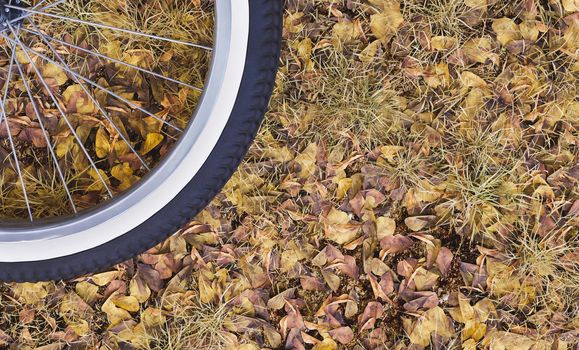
point(486, 155)
point(344, 97)
point(202, 327)
point(547, 260)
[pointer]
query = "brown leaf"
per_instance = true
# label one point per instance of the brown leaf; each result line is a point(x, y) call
point(151, 277)
point(34, 135)
point(417, 223)
point(312, 283)
point(368, 318)
point(344, 335)
point(278, 301)
point(443, 260)
point(395, 244)
point(425, 300)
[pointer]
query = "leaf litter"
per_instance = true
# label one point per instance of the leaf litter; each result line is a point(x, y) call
point(414, 186)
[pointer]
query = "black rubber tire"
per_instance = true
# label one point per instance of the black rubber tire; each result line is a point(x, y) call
point(256, 88)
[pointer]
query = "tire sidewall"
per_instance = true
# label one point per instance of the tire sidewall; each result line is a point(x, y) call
point(255, 91)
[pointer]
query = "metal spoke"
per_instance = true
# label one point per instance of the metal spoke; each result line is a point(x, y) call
point(4, 118)
point(40, 34)
point(46, 135)
point(106, 26)
point(43, 1)
point(98, 86)
point(45, 84)
point(35, 8)
point(94, 101)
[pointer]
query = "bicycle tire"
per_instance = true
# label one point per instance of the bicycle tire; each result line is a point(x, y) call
point(265, 27)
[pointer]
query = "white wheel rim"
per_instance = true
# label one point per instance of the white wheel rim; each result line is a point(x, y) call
point(95, 228)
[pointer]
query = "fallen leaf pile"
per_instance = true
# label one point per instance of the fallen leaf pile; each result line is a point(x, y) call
point(414, 186)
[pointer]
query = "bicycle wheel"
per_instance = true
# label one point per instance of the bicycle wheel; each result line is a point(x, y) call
point(121, 120)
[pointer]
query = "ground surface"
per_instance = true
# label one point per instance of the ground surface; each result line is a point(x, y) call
point(414, 186)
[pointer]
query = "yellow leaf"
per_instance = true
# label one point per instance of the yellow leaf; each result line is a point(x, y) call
point(476, 4)
point(344, 32)
point(247, 347)
point(343, 186)
point(385, 227)
point(529, 30)
point(55, 72)
point(115, 314)
point(571, 5)
point(129, 303)
point(76, 100)
point(469, 345)
point(483, 309)
point(102, 144)
point(470, 79)
point(21, 57)
point(289, 259)
point(368, 54)
point(437, 75)
point(443, 42)
point(466, 310)
point(80, 327)
point(206, 292)
point(137, 336)
point(112, 48)
point(391, 152)
point(307, 161)
point(104, 278)
point(304, 49)
point(424, 279)
point(432, 321)
point(337, 227)
point(506, 29)
point(139, 289)
point(87, 291)
point(479, 50)
point(30, 293)
point(152, 141)
point(326, 344)
point(98, 184)
point(500, 340)
point(64, 146)
point(385, 24)
point(153, 317)
point(124, 173)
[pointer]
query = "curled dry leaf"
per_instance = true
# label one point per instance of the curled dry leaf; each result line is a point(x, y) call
point(430, 323)
point(373, 311)
point(343, 335)
point(385, 24)
point(385, 226)
point(506, 30)
point(444, 260)
point(423, 300)
point(395, 244)
point(339, 228)
point(151, 142)
point(115, 314)
point(418, 223)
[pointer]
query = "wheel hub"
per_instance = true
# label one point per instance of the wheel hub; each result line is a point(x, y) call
point(9, 14)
